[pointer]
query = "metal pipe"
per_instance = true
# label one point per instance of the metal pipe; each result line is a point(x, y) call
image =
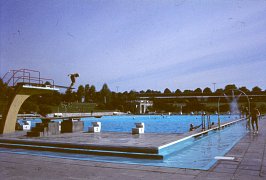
point(219, 123)
point(247, 99)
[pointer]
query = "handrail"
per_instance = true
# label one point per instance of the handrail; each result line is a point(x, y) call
point(17, 71)
point(21, 76)
point(35, 79)
point(5, 75)
point(25, 74)
point(27, 78)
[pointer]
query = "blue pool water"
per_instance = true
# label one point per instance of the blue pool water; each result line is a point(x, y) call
point(153, 123)
point(193, 153)
point(199, 153)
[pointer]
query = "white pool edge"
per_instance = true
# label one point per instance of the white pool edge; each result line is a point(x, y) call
point(200, 133)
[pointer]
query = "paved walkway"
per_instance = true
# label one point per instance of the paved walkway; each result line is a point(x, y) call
point(250, 164)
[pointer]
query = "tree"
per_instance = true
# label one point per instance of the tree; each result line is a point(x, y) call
point(256, 89)
point(44, 110)
point(47, 83)
point(69, 96)
point(28, 107)
point(193, 105)
point(219, 91)
point(244, 89)
point(207, 90)
point(3, 89)
point(132, 95)
point(228, 88)
point(105, 92)
point(167, 91)
point(92, 93)
point(87, 92)
point(178, 92)
point(187, 92)
point(142, 92)
point(80, 93)
point(198, 91)
point(148, 91)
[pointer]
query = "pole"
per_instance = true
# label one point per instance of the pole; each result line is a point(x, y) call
point(247, 99)
point(214, 86)
point(219, 122)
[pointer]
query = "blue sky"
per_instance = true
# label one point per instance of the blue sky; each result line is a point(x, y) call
point(140, 45)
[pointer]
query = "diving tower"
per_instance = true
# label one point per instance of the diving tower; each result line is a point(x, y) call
point(24, 83)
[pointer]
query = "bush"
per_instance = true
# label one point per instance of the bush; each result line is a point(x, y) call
point(44, 110)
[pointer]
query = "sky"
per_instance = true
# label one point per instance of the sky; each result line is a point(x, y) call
point(137, 45)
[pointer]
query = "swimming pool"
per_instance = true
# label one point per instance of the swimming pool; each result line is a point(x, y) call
point(193, 153)
point(153, 123)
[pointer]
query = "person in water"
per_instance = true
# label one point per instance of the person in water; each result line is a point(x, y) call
point(192, 127)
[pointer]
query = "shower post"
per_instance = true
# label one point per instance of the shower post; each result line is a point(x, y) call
point(219, 122)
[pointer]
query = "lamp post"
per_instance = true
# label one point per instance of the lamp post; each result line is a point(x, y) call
point(214, 86)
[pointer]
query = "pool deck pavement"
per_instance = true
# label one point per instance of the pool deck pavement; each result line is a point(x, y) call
point(250, 163)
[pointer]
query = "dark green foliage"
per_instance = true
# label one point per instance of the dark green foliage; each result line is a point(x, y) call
point(44, 110)
point(80, 93)
point(256, 90)
point(228, 88)
point(28, 107)
point(244, 89)
point(178, 92)
point(105, 99)
point(207, 91)
point(167, 91)
point(198, 91)
point(219, 92)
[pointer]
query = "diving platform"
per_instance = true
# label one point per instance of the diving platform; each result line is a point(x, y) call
point(25, 83)
point(53, 88)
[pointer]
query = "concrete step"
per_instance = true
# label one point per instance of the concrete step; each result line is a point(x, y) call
point(133, 149)
point(39, 129)
point(35, 134)
point(83, 151)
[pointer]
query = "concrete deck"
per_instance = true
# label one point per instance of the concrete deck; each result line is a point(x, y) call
point(114, 139)
point(126, 144)
point(250, 164)
point(110, 144)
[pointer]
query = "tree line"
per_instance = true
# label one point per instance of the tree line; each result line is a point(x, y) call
point(105, 99)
